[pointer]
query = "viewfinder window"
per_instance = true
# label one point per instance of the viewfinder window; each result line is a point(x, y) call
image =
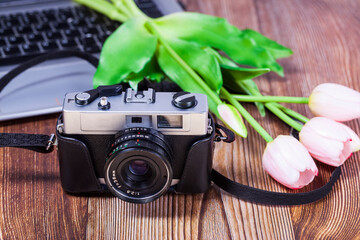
point(172, 121)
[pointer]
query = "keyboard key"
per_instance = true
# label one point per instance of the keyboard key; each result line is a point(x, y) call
point(66, 12)
point(68, 43)
point(60, 25)
point(12, 20)
point(95, 20)
point(48, 15)
point(110, 28)
point(2, 42)
point(14, 50)
point(79, 23)
point(90, 30)
point(49, 45)
point(91, 48)
point(43, 27)
point(35, 37)
point(6, 31)
point(49, 12)
point(88, 40)
point(30, 18)
point(24, 29)
point(53, 35)
point(16, 40)
point(72, 33)
point(30, 48)
point(102, 38)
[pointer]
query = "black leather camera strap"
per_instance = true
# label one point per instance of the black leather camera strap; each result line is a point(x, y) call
point(273, 198)
point(34, 142)
point(45, 143)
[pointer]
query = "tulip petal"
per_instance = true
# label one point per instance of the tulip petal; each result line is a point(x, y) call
point(339, 91)
point(232, 118)
point(290, 152)
point(355, 140)
point(322, 147)
point(328, 128)
point(278, 168)
point(295, 150)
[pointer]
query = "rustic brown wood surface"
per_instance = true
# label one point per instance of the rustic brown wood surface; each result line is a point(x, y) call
point(325, 37)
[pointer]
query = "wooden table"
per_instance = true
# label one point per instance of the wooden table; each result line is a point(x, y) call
point(325, 37)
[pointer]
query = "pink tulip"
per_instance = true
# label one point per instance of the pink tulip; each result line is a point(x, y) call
point(288, 162)
point(326, 140)
point(355, 140)
point(335, 101)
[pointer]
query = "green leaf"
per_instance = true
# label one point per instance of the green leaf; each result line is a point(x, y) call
point(126, 51)
point(151, 71)
point(215, 32)
point(240, 73)
point(277, 50)
point(186, 24)
point(178, 75)
point(204, 63)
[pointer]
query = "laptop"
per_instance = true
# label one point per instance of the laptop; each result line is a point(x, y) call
point(29, 28)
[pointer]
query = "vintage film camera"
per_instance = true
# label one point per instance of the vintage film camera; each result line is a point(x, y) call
point(136, 144)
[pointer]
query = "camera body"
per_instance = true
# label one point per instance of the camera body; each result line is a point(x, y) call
point(136, 144)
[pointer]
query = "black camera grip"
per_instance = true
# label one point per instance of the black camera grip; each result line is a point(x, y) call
point(77, 172)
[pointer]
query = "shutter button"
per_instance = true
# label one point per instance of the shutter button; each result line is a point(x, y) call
point(184, 100)
point(82, 98)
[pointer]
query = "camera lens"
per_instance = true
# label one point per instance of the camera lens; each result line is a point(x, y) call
point(138, 165)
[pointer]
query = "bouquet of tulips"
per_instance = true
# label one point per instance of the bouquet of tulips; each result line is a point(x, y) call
point(203, 54)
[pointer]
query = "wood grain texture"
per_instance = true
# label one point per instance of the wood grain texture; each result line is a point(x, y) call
point(325, 37)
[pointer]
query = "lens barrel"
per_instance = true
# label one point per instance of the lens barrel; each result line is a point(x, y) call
point(138, 165)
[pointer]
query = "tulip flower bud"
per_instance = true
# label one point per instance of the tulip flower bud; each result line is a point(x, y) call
point(289, 163)
point(326, 140)
point(335, 101)
point(232, 119)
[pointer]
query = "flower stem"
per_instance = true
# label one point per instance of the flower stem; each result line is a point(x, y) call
point(246, 115)
point(105, 8)
point(283, 116)
point(292, 113)
point(133, 8)
point(273, 107)
point(247, 98)
point(182, 63)
point(122, 8)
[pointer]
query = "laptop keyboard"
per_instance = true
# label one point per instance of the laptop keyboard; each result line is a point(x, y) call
point(30, 34)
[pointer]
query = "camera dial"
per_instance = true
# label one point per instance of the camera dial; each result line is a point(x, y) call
point(138, 165)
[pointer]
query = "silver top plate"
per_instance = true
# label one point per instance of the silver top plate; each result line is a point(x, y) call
point(160, 115)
